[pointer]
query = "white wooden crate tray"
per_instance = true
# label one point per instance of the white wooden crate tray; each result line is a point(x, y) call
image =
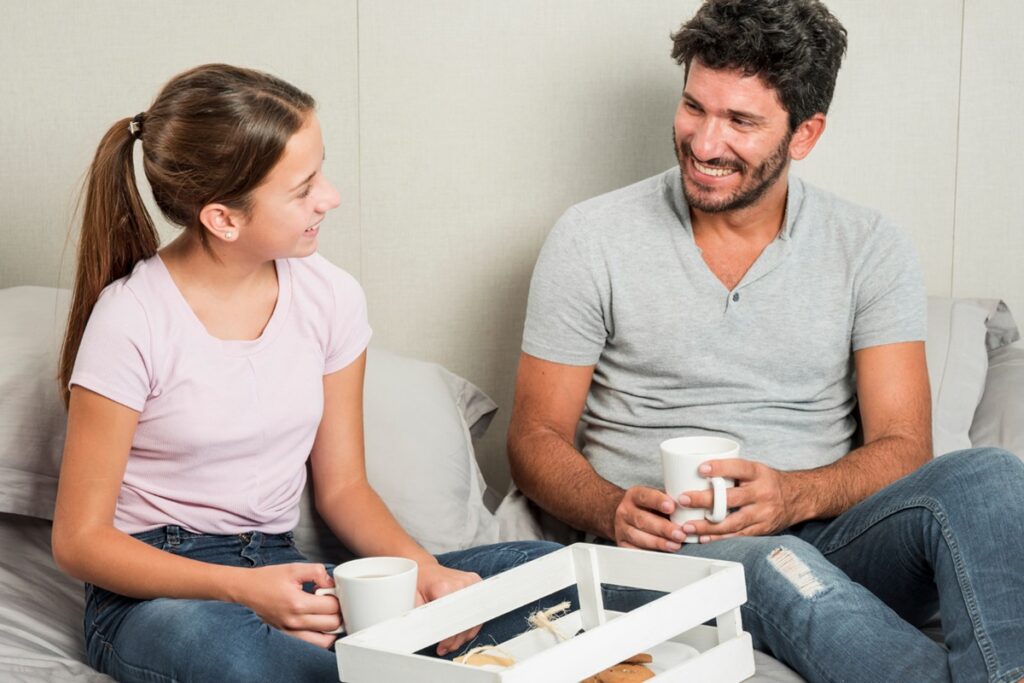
point(670, 628)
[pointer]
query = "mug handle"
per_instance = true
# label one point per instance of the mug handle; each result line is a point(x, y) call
point(719, 512)
point(331, 591)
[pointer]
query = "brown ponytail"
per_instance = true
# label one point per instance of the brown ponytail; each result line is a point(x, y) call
point(212, 135)
point(117, 232)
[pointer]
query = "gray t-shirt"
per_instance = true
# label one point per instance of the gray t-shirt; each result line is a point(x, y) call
point(621, 284)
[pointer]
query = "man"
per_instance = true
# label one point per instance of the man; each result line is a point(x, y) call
point(724, 297)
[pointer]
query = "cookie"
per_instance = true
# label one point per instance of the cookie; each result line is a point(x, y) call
point(622, 673)
point(484, 659)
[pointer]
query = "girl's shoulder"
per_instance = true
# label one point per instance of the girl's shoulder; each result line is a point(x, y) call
point(333, 303)
point(126, 332)
point(318, 269)
point(132, 296)
point(317, 280)
point(144, 306)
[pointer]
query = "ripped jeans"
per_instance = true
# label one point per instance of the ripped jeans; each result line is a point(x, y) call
point(842, 599)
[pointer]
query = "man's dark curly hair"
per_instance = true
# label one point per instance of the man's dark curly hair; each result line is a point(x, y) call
point(794, 46)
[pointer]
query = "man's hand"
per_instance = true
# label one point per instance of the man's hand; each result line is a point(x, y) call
point(641, 521)
point(763, 499)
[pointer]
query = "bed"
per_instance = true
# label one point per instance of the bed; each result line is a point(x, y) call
point(420, 419)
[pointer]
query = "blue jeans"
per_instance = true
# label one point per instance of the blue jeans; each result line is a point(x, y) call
point(168, 639)
point(842, 599)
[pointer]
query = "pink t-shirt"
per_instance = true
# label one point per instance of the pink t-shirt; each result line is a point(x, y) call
point(225, 427)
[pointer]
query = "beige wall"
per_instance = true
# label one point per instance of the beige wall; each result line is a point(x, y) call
point(459, 130)
point(71, 69)
point(988, 246)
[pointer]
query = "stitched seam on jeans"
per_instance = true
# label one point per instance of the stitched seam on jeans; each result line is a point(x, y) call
point(1011, 676)
point(97, 628)
point(103, 604)
point(966, 591)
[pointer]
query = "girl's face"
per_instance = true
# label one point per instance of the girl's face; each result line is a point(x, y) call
point(289, 205)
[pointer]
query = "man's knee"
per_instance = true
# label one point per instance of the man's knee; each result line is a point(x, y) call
point(988, 472)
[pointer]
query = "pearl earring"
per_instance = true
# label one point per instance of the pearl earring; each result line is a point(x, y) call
point(228, 234)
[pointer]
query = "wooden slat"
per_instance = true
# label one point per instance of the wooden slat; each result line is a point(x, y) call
point(470, 606)
point(588, 581)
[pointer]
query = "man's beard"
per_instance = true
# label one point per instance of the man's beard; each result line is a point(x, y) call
point(753, 187)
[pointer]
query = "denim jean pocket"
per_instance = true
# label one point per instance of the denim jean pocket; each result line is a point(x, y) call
point(97, 601)
point(103, 608)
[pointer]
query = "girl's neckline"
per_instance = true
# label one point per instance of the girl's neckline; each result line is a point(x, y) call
point(234, 347)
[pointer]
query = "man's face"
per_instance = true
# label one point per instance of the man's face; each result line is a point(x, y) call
point(732, 139)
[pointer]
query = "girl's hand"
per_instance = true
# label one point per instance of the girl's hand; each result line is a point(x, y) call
point(275, 594)
point(432, 582)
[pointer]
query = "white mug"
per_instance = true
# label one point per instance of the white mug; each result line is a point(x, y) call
point(373, 589)
point(680, 458)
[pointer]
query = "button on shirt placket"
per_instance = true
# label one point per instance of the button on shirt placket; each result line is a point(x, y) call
point(731, 299)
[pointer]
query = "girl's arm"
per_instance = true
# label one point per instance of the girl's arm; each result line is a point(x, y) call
point(352, 509)
point(87, 546)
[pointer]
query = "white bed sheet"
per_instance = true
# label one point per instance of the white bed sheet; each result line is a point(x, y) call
point(40, 609)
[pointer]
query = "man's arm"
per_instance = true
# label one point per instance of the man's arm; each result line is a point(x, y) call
point(547, 467)
point(895, 409)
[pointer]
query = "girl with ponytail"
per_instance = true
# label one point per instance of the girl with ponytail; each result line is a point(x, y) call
point(199, 378)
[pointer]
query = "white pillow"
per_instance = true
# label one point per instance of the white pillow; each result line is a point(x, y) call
point(32, 418)
point(960, 334)
point(419, 450)
point(957, 364)
point(999, 419)
point(418, 421)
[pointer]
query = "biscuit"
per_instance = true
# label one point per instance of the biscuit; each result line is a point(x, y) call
point(623, 673)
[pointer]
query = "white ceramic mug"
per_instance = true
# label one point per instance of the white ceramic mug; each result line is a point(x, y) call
point(373, 589)
point(680, 458)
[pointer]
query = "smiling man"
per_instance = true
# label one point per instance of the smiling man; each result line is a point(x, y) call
point(726, 297)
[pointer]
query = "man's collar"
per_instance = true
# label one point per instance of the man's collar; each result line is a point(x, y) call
point(794, 196)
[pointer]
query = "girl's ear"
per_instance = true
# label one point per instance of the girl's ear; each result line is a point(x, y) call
point(220, 221)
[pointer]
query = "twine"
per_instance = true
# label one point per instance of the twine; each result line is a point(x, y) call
point(484, 655)
point(542, 619)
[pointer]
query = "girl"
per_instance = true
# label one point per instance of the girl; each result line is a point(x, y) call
point(199, 377)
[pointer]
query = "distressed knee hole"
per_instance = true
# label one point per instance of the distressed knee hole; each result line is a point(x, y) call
point(794, 570)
